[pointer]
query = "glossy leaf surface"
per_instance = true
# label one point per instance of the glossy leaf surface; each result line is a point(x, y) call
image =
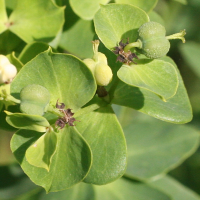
point(36, 20)
point(40, 153)
point(103, 133)
point(86, 9)
point(147, 6)
point(70, 163)
point(176, 110)
point(114, 22)
point(64, 76)
point(156, 76)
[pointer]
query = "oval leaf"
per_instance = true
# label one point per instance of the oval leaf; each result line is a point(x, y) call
point(156, 147)
point(114, 22)
point(145, 5)
point(176, 110)
point(86, 9)
point(40, 153)
point(157, 76)
point(66, 78)
point(30, 122)
point(30, 17)
point(70, 163)
point(102, 131)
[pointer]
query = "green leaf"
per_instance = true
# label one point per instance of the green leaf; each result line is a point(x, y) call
point(64, 76)
point(86, 9)
point(156, 147)
point(191, 52)
point(36, 20)
point(3, 16)
point(40, 153)
point(173, 188)
point(145, 5)
point(124, 189)
point(30, 122)
point(176, 110)
point(32, 50)
point(15, 61)
point(103, 133)
point(156, 76)
point(114, 22)
point(70, 163)
point(73, 43)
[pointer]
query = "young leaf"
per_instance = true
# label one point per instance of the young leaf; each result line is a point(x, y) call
point(30, 17)
point(3, 16)
point(66, 78)
point(176, 110)
point(69, 165)
point(145, 5)
point(86, 9)
point(124, 21)
point(29, 122)
point(15, 61)
point(156, 76)
point(103, 133)
point(40, 153)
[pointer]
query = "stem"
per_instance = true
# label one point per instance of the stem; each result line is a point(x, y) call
point(137, 44)
point(95, 50)
point(177, 36)
point(13, 99)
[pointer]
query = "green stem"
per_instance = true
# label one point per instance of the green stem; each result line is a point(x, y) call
point(13, 99)
point(177, 36)
point(137, 44)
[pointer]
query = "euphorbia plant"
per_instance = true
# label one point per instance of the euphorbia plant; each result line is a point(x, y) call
point(67, 131)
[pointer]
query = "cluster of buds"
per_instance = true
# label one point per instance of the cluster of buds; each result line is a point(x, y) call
point(7, 70)
point(99, 66)
point(67, 119)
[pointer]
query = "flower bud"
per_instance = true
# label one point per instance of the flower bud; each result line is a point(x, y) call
point(103, 74)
